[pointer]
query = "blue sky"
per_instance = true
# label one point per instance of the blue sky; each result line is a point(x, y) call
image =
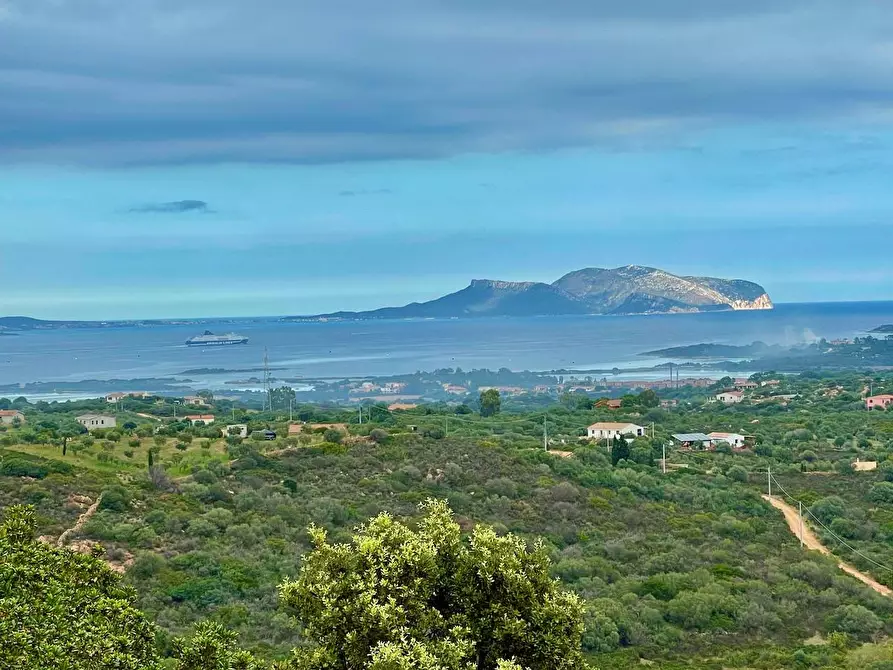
point(163, 159)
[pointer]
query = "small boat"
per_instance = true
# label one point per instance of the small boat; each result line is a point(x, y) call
point(209, 339)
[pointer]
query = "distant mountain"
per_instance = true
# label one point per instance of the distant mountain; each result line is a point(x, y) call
point(885, 329)
point(8, 323)
point(627, 290)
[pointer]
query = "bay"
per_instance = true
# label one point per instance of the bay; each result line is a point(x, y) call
point(378, 348)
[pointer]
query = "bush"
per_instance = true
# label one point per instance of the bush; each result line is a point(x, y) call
point(828, 509)
point(19, 467)
point(882, 492)
point(855, 620)
point(115, 498)
point(378, 435)
point(737, 473)
point(333, 436)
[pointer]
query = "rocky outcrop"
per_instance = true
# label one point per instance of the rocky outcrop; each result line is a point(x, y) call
point(762, 302)
point(631, 289)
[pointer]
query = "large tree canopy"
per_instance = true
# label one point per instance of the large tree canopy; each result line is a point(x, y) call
point(397, 598)
point(62, 610)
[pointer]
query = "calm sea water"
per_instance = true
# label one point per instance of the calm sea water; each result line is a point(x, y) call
point(394, 347)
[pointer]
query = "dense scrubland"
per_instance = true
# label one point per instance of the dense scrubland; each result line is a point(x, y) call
point(689, 568)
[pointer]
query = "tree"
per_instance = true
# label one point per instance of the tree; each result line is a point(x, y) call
point(642, 452)
point(430, 598)
point(648, 398)
point(855, 620)
point(333, 436)
point(281, 397)
point(212, 647)
point(619, 450)
point(828, 509)
point(78, 615)
point(378, 435)
point(491, 402)
point(738, 474)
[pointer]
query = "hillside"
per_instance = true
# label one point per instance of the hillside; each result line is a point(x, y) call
point(626, 290)
point(685, 569)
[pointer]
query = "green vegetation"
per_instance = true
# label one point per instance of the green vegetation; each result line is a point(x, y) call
point(65, 611)
point(688, 567)
point(401, 598)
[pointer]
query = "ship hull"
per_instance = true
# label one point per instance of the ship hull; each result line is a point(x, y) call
point(220, 343)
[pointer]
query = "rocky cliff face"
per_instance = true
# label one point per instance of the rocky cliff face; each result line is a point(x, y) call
point(631, 289)
point(623, 290)
point(761, 302)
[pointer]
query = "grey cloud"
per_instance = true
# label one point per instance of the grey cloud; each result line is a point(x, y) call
point(174, 207)
point(157, 81)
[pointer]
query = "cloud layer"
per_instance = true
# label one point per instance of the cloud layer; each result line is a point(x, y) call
point(158, 81)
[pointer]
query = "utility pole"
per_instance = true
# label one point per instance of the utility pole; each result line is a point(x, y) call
point(290, 401)
point(800, 517)
point(664, 460)
point(545, 436)
point(770, 480)
point(268, 391)
point(360, 410)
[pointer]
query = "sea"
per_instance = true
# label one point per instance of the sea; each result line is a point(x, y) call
point(381, 348)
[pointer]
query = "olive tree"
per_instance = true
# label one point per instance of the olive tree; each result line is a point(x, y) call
point(426, 598)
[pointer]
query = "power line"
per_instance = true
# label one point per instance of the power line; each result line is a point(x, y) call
point(828, 530)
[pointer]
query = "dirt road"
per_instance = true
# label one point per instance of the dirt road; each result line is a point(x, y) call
point(812, 542)
point(82, 519)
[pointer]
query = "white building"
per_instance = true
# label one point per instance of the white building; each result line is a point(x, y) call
point(112, 398)
point(608, 430)
point(730, 397)
point(199, 419)
point(864, 466)
point(9, 416)
point(237, 430)
point(94, 421)
point(734, 440)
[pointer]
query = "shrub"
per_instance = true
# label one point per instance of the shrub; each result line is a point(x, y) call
point(737, 473)
point(882, 492)
point(378, 435)
point(115, 498)
point(19, 467)
point(333, 436)
point(855, 620)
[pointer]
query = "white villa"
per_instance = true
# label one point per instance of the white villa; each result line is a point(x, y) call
point(95, 421)
point(730, 397)
point(735, 440)
point(609, 430)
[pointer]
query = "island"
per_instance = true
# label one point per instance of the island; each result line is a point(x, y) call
point(631, 289)
point(709, 350)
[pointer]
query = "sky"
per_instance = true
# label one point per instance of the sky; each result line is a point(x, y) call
point(164, 159)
